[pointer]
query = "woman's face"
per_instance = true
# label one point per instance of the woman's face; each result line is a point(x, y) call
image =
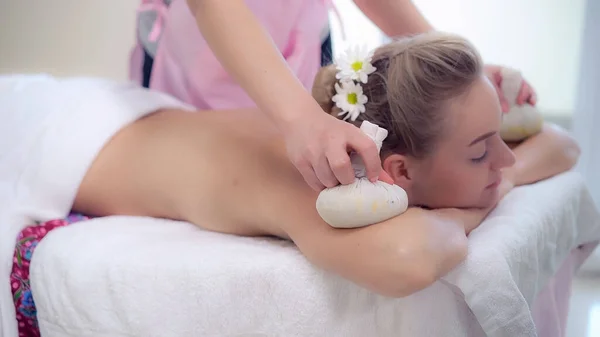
point(465, 168)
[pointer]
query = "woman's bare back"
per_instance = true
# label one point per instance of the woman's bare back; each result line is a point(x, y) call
point(228, 172)
point(220, 168)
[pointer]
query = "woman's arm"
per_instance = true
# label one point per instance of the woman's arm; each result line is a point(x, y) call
point(550, 152)
point(396, 257)
point(395, 17)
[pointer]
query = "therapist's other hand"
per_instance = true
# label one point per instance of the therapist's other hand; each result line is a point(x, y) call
point(526, 94)
point(319, 145)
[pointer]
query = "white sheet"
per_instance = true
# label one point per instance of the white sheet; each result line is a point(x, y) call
point(522, 244)
point(592, 265)
point(52, 130)
point(125, 276)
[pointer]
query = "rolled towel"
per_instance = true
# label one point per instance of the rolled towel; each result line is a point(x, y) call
point(363, 202)
point(521, 121)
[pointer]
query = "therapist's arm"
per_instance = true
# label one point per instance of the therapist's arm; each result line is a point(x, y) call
point(317, 143)
point(395, 17)
point(247, 52)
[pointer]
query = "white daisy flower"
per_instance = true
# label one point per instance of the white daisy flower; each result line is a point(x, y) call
point(355, 64)
point(350, 99)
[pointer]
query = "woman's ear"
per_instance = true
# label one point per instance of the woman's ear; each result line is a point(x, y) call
point(398, 167)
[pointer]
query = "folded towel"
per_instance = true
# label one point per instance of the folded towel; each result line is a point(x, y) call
point(511, 258)
point(52, 129)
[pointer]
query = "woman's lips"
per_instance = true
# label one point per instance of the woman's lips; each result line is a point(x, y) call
point(494, 184)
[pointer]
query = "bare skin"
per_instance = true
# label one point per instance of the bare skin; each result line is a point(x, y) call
point(228, 172)
point(544, 155)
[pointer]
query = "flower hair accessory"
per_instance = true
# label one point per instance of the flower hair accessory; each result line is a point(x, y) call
point(354, 68)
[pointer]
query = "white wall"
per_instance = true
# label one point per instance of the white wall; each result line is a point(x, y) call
point(586, 120)
point(67, 37)
point(94, 37)
point(540, 37)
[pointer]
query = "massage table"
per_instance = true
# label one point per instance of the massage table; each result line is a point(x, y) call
point(135, 276)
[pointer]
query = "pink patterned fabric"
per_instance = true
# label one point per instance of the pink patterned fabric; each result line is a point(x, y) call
point(27, 241)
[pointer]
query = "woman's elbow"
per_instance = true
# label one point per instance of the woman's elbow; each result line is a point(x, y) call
point(572, 150)
point(419, 278)
point(419, 269)
point(566, 145)
point(572, 153)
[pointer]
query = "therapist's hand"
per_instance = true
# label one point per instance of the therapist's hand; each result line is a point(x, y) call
point(526, 93)
point(318, 145)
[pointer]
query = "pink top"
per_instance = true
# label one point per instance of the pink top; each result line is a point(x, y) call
point(185, 67)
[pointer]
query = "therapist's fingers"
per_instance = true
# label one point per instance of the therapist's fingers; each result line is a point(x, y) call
point(308, 173)
point(503, 101)
point(324, 172)
point(339, 162)
point(366, 148)
point(533, 99)
point(386, 178)
point(526, 94)
point(496, 78)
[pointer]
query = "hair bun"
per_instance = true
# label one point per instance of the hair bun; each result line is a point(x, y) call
point(323, 88)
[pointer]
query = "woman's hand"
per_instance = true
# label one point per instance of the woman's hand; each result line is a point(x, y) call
point(526, 93)
point(318, 145)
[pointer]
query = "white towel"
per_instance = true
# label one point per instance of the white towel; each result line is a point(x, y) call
point(512, 257)
point(52, 130)
point(591, 267)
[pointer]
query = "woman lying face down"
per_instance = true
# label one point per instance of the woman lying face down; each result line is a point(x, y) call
point(443, 116)
point(227, 171)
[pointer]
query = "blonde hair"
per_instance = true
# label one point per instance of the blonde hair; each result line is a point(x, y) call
point(415, 79)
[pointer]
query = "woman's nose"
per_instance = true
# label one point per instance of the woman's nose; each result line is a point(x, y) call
point(510, 157)
point(505, 158)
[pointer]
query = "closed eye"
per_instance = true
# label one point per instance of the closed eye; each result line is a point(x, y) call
point(480, 159)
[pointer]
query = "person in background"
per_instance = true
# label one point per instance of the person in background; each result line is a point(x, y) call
point(219, 55)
